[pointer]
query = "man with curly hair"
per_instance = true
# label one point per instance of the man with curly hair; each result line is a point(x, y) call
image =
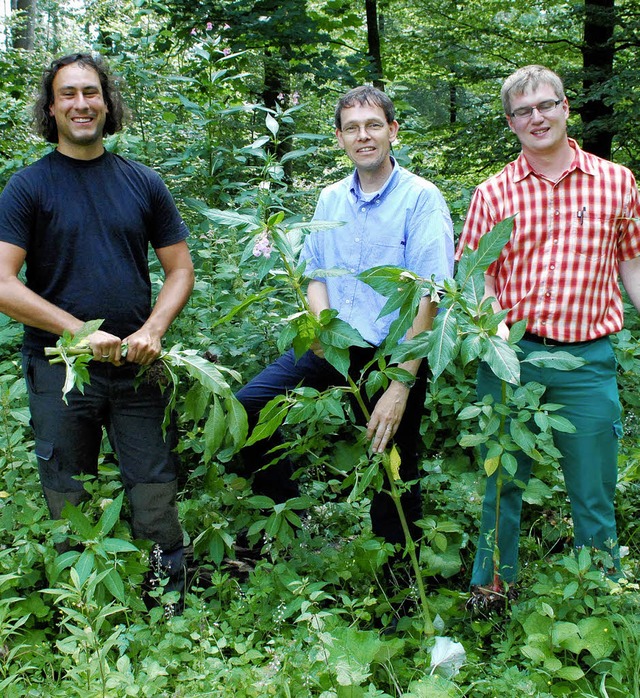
point(82, 219)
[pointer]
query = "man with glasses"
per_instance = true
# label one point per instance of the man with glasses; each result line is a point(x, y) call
point(391, 217)
point(575, 229)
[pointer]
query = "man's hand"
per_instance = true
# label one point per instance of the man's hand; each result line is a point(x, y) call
point(106, 347)
point(143, 347)
point(386, 416)
point(503, 330)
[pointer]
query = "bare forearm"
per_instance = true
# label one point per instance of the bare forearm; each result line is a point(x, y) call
point(27, 307)
point(172, 298)
point(317, 297)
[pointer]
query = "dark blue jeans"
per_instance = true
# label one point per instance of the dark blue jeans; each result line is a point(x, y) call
point(68, 439)
point(285, 374)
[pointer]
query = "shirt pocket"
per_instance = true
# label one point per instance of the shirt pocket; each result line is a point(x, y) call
point(593, 235)
point(388, 254)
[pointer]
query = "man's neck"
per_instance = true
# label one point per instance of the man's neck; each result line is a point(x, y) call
point(374, 180)
point(551, 164)
point(81, 152)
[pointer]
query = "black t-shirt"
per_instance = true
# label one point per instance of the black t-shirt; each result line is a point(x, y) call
point(86, 226)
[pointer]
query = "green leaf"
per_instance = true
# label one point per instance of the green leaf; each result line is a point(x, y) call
point(443, 342)
point(560, 360)
point(214, 429)
point(232, 219)
point(272, 124)
point(475, 262)
point(271, 417)
point(117, 545)
point(237, 424)
point(598, 636)
point(570, 673)
point(109, 518)
point(502, 359)
point(85, 565)
point(79, 522)
point(114, 584)
point(522, 436)
point(560, 423)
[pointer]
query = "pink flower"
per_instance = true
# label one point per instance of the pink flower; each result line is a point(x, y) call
point(295, 98)
point(226, 26)
point(209, 26)
point(194, 32)
point(280, 97)
point(226, 51)
point(262, 246)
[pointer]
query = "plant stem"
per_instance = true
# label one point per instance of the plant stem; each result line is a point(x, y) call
point(411, 548)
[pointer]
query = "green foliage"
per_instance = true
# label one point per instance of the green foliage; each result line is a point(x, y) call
point(215, 113)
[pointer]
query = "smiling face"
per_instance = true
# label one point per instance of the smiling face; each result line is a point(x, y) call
point(540, 134)
point(366, 137)
point(79, 110)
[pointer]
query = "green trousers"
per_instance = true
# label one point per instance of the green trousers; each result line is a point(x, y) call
point(589, 396)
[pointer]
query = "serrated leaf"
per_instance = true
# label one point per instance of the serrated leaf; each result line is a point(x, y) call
point(114, 584)
point(214, 429)
point(502, 359)
point(79, 522)
point(85, 565)
point(443, 342)
point(232, 219)
point(560, 360)
point(117, 545)
point(474, 263)
point(522, 436)
point(110, 517)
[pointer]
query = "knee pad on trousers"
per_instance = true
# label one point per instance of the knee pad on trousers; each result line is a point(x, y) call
point(155, 514)
point(57, 500)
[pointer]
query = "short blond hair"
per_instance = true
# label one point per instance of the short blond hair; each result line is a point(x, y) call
point(530, 77)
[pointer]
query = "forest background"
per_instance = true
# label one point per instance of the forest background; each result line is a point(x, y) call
point(232, 102)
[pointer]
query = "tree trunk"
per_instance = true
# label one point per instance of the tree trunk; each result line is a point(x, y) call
point(598, 52)
point(373, 40)
point(23, 31)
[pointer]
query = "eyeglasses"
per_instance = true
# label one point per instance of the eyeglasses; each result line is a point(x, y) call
point(372, 128)
point(543, 108)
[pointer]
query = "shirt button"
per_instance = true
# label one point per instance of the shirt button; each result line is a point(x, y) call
point(552, 266)
point(347, 302)
point(364, 208)
point(357, 239)
point(557, 213)
point(547, 294)
point(353, 271)
point(555, 241)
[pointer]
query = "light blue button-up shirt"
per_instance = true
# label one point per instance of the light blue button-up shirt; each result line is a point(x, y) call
point(405, 224)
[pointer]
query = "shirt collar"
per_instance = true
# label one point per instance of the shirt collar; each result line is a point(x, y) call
point(389, 185)
point(581, 161)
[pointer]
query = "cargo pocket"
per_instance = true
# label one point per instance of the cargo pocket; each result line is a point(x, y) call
point(49, 468)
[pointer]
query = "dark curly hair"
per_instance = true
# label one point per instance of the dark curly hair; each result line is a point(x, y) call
point(46, 125)
point(365, 94)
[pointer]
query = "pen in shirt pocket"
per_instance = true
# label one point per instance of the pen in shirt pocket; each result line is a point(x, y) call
point(581, 214)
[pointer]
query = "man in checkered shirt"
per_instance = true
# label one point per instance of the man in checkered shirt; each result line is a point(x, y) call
point(575, 230)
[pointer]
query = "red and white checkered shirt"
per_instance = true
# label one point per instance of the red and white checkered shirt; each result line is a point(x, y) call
point(559, 271)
